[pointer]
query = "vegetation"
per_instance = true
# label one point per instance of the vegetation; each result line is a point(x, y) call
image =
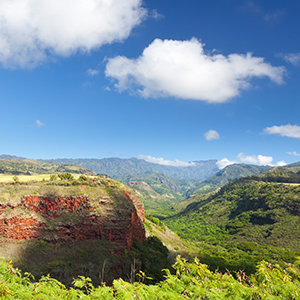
point(227, 175)
point(245, 222)
point(283, 175)
point(116, 167)
point(232, 231)
point(159, 193)
point(191, 281)
point(16, 166)
point(95, 258)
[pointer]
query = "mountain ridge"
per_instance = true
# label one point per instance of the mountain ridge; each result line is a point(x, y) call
point(118, 166)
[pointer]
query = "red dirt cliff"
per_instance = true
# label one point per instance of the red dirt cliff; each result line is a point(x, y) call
point(59, 219)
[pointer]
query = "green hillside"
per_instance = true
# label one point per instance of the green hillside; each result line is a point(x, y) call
point(17, 166)
point(58, 244)
point(116, 167)
point(159, 192)
point(282, 174)
point(246, 210)
point(228, 174)
point(246, 221)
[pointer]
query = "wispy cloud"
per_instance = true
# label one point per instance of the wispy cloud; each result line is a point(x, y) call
point(31, 30)
point(284, 130)
point(166, 162)
point(221, 164)
point(211, 135)
point(250, 6)
point(156, 15)
point(274, 16)
point(293, 153)
point(293, 58)
point(39, 123)
point(92, 72)
point(182, 69)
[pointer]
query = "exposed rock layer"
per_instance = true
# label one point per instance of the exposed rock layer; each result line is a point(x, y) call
point(57, 219)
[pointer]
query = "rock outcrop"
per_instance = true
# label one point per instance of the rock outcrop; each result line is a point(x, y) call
point(73, 218)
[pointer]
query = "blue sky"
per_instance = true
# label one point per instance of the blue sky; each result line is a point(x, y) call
point(167, 81)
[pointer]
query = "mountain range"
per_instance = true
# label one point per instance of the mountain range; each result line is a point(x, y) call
point(115, 167)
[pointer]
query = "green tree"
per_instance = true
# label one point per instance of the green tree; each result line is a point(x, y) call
point(53, 177)
point(66, 176)
point(16, 179)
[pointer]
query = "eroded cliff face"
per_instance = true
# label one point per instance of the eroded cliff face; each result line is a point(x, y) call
point(135, 200)
point(60, 219)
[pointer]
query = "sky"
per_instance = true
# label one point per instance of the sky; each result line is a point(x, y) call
point(170, 82)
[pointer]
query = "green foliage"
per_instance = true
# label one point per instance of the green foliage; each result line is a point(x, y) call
point(53, 177)
point(228, 174)
point(150, 257)
point(283, 174)
point(16, 179)
point(65, 176)
point(155, 221)
point(245, 222)
point(160, 192)
point(191, 281)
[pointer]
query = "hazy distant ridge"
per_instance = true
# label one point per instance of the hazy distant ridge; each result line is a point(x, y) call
point(115, 167)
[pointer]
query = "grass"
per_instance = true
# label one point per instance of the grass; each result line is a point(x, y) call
point(26, 178)
point(175, 244)
point(65, 261)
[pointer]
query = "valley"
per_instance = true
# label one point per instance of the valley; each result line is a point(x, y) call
point(141, 222)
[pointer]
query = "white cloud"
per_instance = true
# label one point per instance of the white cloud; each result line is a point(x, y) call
point(221, 164)
point(161, 161)
point(156, 15)
point(293, 153)
point(211, 135)
point(182, 69)
point(39, 123)
point(250, 159)
point(281, 163)
point(284, 130)
point(33, 30)
point(293, 58)
point(255, 159)
point(92, 72)
point(273, 16)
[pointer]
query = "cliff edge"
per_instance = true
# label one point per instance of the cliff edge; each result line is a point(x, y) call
point(62, 211)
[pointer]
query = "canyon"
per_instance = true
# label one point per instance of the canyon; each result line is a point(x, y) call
point(58, 219)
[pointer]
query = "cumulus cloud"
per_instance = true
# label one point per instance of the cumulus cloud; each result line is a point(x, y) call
point(211, 135)
point(281, 163)
point(293, 153)
point(161, 161)
point(31, 30)
point(39, 123)
point(284, 130)
point(182, 69)
point(250, 159)
point(221, 164)
point(293, 58)
point(255, 159)
point(92, 72)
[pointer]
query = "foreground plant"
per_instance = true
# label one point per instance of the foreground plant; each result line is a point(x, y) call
point(191, 281)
